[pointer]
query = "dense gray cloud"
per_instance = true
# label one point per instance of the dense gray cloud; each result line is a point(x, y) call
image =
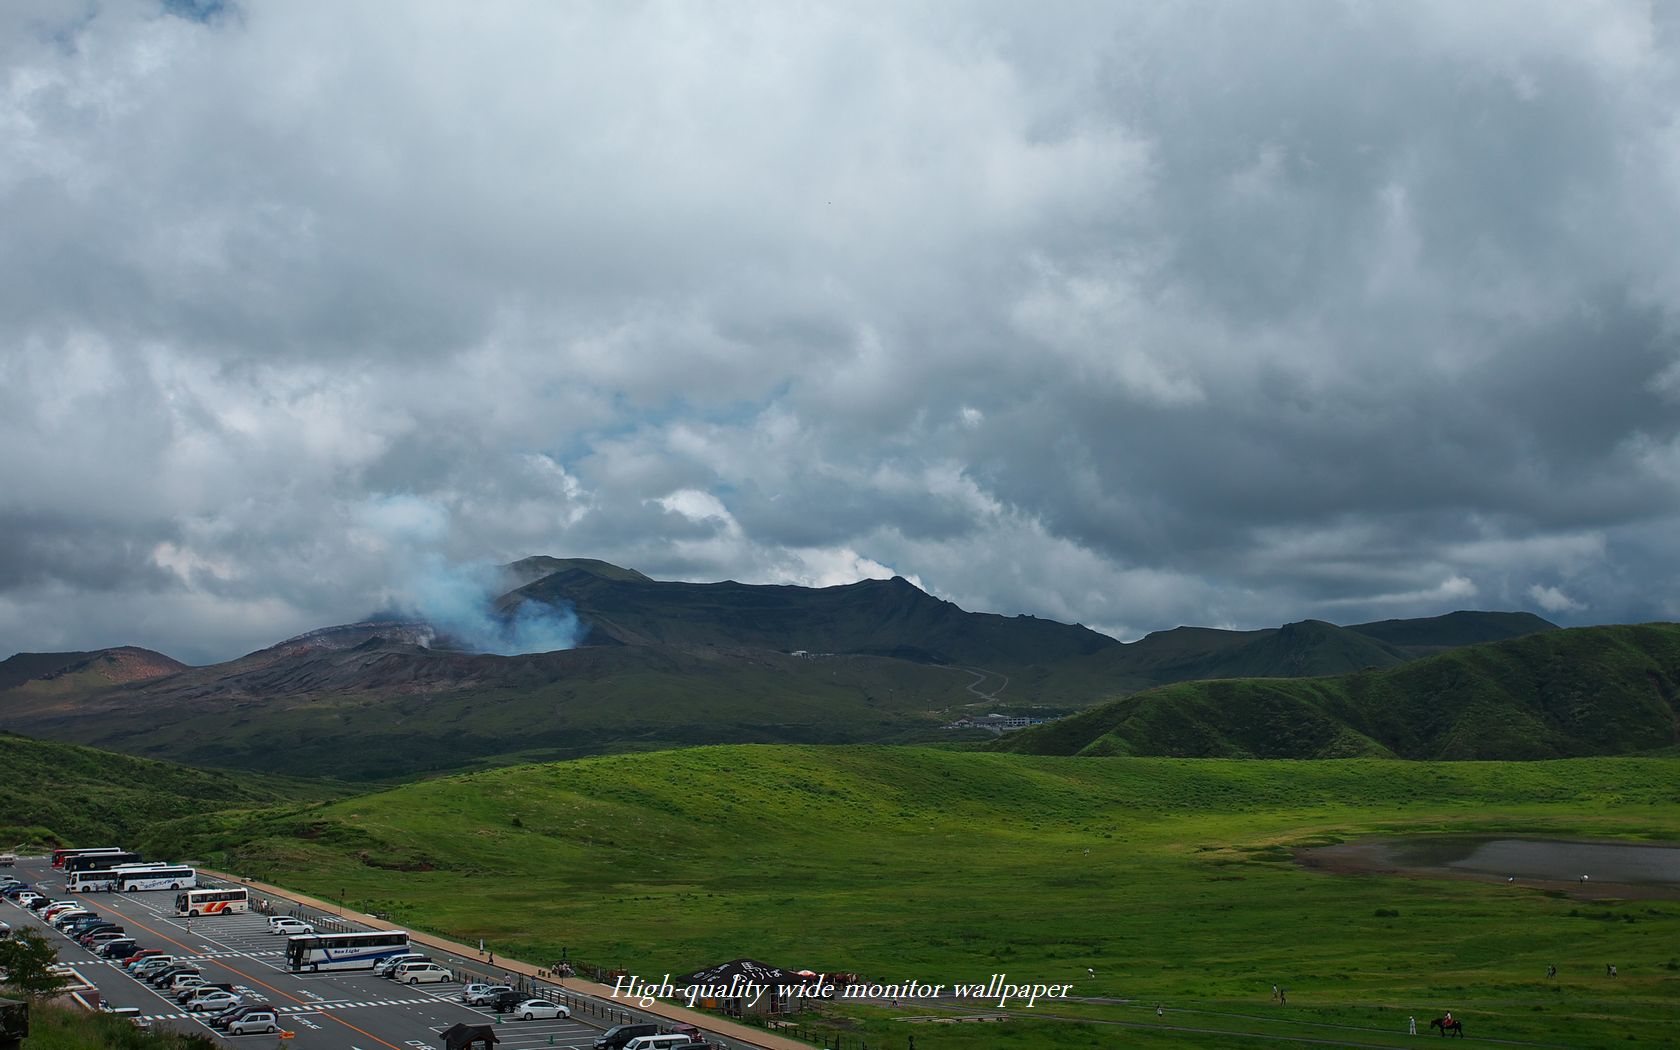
point(1134, 315)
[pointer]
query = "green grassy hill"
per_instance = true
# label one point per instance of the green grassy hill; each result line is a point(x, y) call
point(1587, 691)
point(1171, 879)
point(1435, 633)
point(61, 793)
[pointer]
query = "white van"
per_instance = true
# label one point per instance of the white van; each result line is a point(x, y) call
point(387, 967)
point(659, 1042)
point(421, 973)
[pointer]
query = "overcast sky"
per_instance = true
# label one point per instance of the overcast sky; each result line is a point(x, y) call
point(1126, 314)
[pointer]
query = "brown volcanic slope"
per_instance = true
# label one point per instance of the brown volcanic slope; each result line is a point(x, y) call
point(385, 709)
point(66, 671)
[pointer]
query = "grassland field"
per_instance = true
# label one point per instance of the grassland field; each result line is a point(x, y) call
point(1172, 879)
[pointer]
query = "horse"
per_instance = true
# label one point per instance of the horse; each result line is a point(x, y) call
point(1455, 1026)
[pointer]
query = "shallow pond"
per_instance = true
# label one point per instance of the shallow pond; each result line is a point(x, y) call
point(1584, 868)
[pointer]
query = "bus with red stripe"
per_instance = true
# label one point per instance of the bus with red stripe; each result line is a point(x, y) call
point(58, 855)
point(222, 900)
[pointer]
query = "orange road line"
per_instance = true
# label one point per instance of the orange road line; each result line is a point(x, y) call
point(301, 1002)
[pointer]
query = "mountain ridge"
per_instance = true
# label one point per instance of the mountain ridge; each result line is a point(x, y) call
point(662, 664)
point(1569, 693)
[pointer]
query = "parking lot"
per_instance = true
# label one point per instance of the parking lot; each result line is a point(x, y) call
point(328, 1010)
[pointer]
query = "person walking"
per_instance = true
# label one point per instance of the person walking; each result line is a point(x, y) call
point(1551, 972)
point(1274, 993)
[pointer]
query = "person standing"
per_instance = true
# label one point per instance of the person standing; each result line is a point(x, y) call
point(1411, 1026)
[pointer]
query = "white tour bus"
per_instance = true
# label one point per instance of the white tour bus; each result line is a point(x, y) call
point(155, 877)
point(224, 900)
point(343, 951)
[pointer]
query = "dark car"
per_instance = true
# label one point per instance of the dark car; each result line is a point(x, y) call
point(164, 976)
point(11, 892)
point(234, 1013)
point(615, 1037)
point(116, 949)
point(86, 937)
point(90, 929)
point(502, 1002)
point(75, 926)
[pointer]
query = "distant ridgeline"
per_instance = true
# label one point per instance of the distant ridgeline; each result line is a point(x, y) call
point(661, 664)
point(1586, 691)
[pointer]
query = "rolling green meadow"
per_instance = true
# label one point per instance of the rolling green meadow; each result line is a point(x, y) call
point(1172, 879)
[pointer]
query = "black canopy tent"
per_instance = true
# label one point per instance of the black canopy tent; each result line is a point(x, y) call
point(466, 1036)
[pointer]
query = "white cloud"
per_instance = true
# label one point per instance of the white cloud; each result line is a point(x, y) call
point(1109, 316)
point(1553, 600)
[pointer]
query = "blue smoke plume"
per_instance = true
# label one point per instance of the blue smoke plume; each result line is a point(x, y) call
point(459, 601)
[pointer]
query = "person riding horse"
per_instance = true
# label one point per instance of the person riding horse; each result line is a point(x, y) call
point(1447, 1024)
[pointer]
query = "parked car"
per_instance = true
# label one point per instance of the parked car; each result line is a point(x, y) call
point(146, 967)
point(48, 910)
point(221, 1018)
point(94, 938)
point(480, 994)
point(262, 1020)
point(99, 935)
point(289, 926)
point(119, 949)
point(197, 991)
point(65, 918)
point(94, 924)
point(503, 1002)
point(13, 892)
point(532, 1009)
point(188, 992)
point(27, 899)
point(217, 1000)
point(388, 965)
point(166, 977)
point(5, 931)
point(182, 981)
point(140, 955)
point(421, 973)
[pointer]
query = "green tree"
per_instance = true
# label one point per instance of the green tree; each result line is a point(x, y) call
point(26, 961)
